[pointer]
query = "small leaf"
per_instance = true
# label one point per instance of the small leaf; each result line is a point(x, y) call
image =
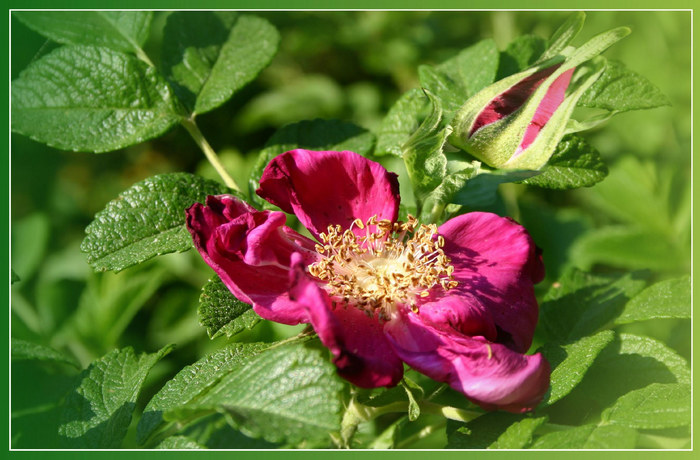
point(401, 122)
point(570, 362)
point(667, 299)
point(192, 382)
point(581, 303)
point(495, 430)
point(588, 437)
point(209, 55)
point(92, 99)
point(120, 30)
point(179, 442)
point(574, 164)
point(312, 135)
point(425, 163)
point(23, 350)
point(289, 393)
point(620, 89)
point(222, 313)
point(412, 389)
point(146, 220)
point(98, 411)
point(653, 407)
point(564, 34)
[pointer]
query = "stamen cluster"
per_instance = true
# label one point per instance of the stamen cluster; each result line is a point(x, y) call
point(393, 263)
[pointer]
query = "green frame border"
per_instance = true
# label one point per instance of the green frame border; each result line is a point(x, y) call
point(687, 5)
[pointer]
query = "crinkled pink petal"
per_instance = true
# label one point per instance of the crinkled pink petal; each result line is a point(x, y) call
point(330, 188)
point(496, 263)
point(489, 374)
point(250, 251)
point(551, 102)
point(362, 353)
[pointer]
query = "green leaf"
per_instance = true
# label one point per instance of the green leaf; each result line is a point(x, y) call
point(120, 30)
point(312, 135)
point(480, 189)
point(192, 382)
point(589, 437)
point(520, 54)
point(98, 411)
point(574, 164)
point(460, 77)
point(653, 407)
point(289, 393)
point(401, 122)
point(30, 239)
point(14, 277)
point(473, 68)
point(564, 34)
point(667, 299)
point(581, 303)
point(412, 390)
point(629, 247)
point(620, 89)
point(92, 99)
point(425, 163)
point(494, 430)
point(179, 442)
point(629, 363)
point(222, 313)
point(146, 220)
point(23, 351)
point(570, 362)
point(209, 55)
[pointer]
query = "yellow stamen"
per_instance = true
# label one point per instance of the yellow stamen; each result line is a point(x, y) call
point(392, 264)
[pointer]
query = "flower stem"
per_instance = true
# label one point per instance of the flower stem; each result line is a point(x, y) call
point(198, 137)
point(424, 433)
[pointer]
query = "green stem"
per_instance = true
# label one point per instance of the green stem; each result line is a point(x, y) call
point(424, 433)
point(209, 152)
point(436, 213)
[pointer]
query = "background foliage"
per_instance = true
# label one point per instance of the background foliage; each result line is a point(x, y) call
point(617, 254)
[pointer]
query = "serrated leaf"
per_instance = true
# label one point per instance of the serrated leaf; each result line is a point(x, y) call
point(119, 30)
point(588, 437)
point(209, 55)
point(460, 77)
point(574, 164)
point(289, 393)
point(628, 247)
point(629, 363)
point(520, 54)
point(667, 299)
point(474, 68)
point(620, 89)
point(222, 313)
point(85, 98)
point(495, 430)
point(570, 362)
point(656, 406)
point(192, 382)
point(179, 442)
point(146, 220)
point(312, 135)
point(425, 162)
point(23, 350)
point(401, 122)
point(581, 303)
point(98, 411)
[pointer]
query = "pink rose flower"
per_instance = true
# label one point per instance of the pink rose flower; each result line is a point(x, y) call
point(454, 302)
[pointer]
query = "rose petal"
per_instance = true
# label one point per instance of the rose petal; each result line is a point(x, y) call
point(330, 188)
point(489, 374)
point(462, 312)
point(362, 353)
point(250, 251)
point(496, 263)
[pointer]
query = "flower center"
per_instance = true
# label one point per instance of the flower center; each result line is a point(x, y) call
point(395, 264)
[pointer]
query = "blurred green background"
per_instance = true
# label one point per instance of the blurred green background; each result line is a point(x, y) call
point(350, 66)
